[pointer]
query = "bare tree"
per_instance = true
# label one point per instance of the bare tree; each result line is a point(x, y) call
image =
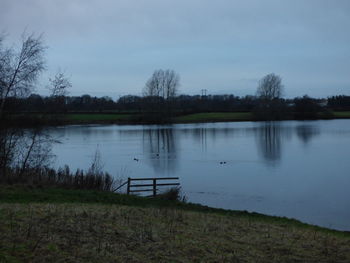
point(34, 150)
point(24, 149)
point(271, 106)
point(270, 87)
point(9, 138)
point(163, 83)
point(153, 85)
point(59, 85)
point(19, 69)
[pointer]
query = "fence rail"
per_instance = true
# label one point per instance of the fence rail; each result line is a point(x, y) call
point(150, 187)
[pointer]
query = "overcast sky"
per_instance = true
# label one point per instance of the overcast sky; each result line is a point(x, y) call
point(111, 47)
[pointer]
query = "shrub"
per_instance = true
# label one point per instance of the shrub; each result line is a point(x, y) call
point(173, 194)
point(62, 177)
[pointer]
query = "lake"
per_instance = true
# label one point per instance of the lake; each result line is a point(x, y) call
point(297, 169)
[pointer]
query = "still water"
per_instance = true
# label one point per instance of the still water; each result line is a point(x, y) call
point(298, 169)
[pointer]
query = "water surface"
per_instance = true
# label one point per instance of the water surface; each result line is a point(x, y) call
point(297, 169)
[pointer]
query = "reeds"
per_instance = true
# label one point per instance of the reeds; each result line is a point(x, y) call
point(173, 194)
point(62, 177)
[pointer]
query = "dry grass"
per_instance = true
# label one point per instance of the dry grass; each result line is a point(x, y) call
point(111, 233)
point(47, 177)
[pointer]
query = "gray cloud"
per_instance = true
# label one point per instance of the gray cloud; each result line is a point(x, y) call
point(119, 43)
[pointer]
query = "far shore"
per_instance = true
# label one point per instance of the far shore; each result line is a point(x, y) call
point(127, 118)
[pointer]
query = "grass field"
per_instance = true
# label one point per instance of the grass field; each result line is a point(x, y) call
point(32, 119)
point(37, 119)
point(341, 114)
point(215, 116)
point(197, 117)
point(86, 117)
point(133, 118)
point(190, 118)
point(43, 225)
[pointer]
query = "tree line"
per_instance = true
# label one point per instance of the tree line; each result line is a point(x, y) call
point(180, 103)
point(20, 68)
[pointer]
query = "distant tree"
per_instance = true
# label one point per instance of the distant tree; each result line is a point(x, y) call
point(19, 69)
point(163, 83)
point(340, 102)
point(59, 85)
point(159, 93)
point(269, 93)
point(270, 87)
point(130, 102)
point(308, 108)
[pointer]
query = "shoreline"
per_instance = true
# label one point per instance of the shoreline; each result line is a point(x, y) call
point(42, 119)
point(26, 194)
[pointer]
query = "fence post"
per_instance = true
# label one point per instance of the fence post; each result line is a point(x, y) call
point(154, 187)
point(128, 188)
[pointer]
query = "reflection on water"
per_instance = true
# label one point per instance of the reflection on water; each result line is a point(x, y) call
point(270, 141)
point(160, 146)
point(306, 132)
point(200, 136)
point(160, 143)
point(271, 137)
point(297, 169)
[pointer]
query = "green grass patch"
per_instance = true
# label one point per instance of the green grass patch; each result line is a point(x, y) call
point(87, 117)
point(215, 116)
point(32, 119)
point(341, 114)
point(129, 117)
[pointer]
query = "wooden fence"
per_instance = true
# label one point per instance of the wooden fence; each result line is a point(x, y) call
point(147, 187)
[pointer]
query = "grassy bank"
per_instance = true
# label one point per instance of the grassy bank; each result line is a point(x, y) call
point(136, 118)
point(215, 117)
point(342, 114)
point(53, 225)
point(88, 118)
point(29, 119)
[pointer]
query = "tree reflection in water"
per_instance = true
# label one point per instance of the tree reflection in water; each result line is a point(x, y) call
point(306, 132)
point(160, 145)
point(269, 142)
point(272, 135)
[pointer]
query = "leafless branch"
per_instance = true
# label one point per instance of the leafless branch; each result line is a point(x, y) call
point(163, 83)
point(270, 87)
point(19, 69)
point(59, 85)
